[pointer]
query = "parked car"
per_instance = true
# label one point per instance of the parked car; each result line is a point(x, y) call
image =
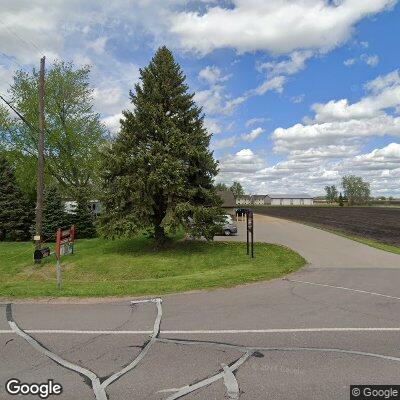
point(242, 211)
point(228, 227)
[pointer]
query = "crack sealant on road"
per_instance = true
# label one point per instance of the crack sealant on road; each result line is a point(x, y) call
point(99, 388)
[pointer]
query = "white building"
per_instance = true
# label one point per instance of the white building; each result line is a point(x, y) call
point(70, 206)
point(259, 199)
point(301, 199)
point(244, 200)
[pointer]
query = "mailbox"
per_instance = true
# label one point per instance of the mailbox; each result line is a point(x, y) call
point(39, 254)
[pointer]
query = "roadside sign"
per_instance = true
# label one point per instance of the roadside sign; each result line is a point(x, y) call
point(65, 239)
point(250, 231)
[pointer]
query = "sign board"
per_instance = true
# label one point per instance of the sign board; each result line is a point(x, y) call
point(65, 239)
point(250, 231)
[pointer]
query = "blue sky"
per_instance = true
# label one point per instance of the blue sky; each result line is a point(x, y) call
point(296, 93)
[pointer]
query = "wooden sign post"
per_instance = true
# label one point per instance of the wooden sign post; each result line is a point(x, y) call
point(65, 239)
point(250, 232)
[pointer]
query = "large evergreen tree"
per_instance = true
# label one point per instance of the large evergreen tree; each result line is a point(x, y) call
point(159, 171)
point(16, 213)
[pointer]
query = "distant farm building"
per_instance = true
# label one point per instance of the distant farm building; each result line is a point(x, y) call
point(228, 201)
point(244, 200)
point(301, 199)
point(259, 199)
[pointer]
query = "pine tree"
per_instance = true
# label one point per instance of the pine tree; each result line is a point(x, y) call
point(16, 213)
point(159, 171)
point(54, 216)
point(82, 218)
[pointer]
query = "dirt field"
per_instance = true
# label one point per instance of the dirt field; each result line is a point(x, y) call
point(378, 223)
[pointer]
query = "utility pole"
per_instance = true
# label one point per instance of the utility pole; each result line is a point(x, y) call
point(40, 168)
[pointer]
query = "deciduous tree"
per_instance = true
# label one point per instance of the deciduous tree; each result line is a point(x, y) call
point(356, 190)
point(331, 193)
point(74, 132)
point(221, 187)
point(237, 189)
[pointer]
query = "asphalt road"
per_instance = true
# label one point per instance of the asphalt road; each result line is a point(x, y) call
point(310, 336)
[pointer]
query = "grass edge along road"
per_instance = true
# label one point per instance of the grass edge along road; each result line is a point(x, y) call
point(123, 267)
point(369, 242)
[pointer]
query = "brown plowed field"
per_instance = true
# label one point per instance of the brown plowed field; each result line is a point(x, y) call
point(378, 223)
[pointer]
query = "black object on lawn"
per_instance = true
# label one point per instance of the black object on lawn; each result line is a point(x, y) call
point(41, 253)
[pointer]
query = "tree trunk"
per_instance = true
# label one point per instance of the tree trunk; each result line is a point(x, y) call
point(159, 236)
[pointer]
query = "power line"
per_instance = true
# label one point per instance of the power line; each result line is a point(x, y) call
point(28, 43)
point(12, 59)
point(20, 116)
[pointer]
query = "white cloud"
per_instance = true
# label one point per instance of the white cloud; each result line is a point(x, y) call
point(112, 122)
point(273, 84)
point(384, 94)
point(298, 99)
point(277, 75)
point(254, 121)
point(310, 171)
point(212, 125)
point(253, 135)
point(295, 63)
point(387, 158)
point(301, 136)
point(224, 143)
point(212, 100)
point(212, 75)
point(383, 82)
point(371, 60)
point(240, 165)
point(349, 62)
point(325, 152)
point(6, 78)
point(328, 145)
point(98, 45)
point(276, 26)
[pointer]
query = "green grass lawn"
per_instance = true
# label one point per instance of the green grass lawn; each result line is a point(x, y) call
point(123, 267)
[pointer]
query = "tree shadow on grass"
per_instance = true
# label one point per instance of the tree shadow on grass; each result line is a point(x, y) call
point(140, 246)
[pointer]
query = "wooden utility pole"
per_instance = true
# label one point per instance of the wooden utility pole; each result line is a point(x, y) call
point(40, 168)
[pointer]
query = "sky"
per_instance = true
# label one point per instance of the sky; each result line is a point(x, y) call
point(296, 93)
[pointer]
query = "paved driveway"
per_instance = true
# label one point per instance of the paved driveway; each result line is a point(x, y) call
point(309, 336)
point(319, 248)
